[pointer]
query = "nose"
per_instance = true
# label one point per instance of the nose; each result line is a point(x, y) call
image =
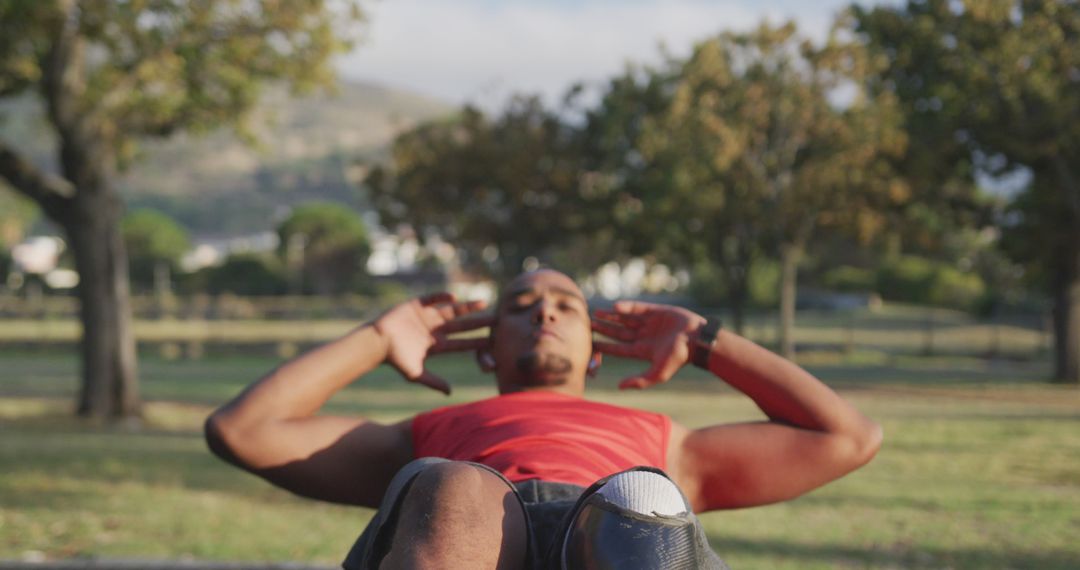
point(544, 313)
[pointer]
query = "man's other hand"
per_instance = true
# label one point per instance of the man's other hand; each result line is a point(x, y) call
point(659, 334)
point(421, 327)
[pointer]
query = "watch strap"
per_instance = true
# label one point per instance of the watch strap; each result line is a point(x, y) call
point(704, 339)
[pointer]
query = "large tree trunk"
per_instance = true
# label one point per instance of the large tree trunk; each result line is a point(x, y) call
point(790, 255)
point(1066, 277)
point(110, 387)
point(1066, 313)
point(735, 256)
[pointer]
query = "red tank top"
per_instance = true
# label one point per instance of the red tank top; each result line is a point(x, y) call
point(544, 435)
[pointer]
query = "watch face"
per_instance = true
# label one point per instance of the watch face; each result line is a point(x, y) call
point(707, 333)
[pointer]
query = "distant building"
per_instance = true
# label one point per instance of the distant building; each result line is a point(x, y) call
point(38, 254)
point(209, 252)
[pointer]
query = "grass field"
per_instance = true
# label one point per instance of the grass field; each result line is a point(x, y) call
point(980, 467)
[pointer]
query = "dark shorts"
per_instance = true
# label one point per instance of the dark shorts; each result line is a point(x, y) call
point(548, 508)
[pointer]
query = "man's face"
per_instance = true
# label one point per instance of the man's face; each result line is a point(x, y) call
point(543, 334)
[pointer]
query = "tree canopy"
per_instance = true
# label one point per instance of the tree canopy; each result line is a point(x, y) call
point(501, 189)
point(997, 85)
point(742, 149)
point(154, 241)
point(110, 73)
point(327, 244)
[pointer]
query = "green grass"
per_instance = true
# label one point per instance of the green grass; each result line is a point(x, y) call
point(980, 468)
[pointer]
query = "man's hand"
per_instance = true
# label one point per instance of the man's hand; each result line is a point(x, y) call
point(659, 334)
point(418, 328)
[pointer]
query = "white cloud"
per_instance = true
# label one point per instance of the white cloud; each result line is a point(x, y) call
point(483, 50)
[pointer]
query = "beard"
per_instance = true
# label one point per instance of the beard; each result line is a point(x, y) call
point(544, 369)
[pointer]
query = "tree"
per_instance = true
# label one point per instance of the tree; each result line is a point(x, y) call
point(1002, 80)
point(110, 73)
point(17, 213)
point(243, 274)
point(751, 154)
point(155, 243)
point(501, 190)
point(326, 245)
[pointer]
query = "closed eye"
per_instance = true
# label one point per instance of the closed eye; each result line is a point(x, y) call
point(522, 304)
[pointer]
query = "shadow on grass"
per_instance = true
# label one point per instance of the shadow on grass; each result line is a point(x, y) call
point(854, 377)
point(1000, 505)
point(55, 460)
point(893, 556)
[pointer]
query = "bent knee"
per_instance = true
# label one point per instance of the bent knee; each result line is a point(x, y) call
point(458, 515)
point(460, 479)
point(454, 489)
point(636, 519)
point(644, 492)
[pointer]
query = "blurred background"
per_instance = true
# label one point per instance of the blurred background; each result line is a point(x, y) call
point(886, 192)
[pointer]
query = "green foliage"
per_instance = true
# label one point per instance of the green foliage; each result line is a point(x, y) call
point(738, 152)
point(163, 67)
point(112, 73)
point(241, 274)
point(501, 189)
point(6, 264)
point(956, 289)
point(708, 285)
point(764, 283)
point(1037, 233)
point(152, 239)
point(17, 213)
point(906, 278)
point(999, 82)
point(849, 279)
point(914, 279)
point(327, 243)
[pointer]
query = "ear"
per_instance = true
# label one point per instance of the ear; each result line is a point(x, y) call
point(594, 364)
point(485, 360)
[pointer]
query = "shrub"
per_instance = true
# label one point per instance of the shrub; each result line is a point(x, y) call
point(708, 287)
point(246, 274)
point(913, 279)
point(152, 239)
point(850, 279)
point(906, 279)
point(952, 288)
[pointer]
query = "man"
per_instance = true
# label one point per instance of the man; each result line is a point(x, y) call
point(513, 494)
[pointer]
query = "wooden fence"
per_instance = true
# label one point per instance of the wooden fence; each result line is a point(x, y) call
point(192, 327)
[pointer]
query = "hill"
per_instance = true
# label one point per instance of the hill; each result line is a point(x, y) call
point(216, 185)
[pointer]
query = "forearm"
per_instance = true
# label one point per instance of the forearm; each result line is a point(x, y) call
point(298, 388)
point(784, 391)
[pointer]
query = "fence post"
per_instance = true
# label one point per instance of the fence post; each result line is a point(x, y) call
point(1047, 344)
point(928, 334)
point(849, 337)
point(995, 335)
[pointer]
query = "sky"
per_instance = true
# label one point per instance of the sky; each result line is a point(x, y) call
point(482, 51)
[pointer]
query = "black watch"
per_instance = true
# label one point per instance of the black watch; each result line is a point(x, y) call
point(702, 342)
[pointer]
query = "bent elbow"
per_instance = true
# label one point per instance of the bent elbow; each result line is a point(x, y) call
point(216, 434)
